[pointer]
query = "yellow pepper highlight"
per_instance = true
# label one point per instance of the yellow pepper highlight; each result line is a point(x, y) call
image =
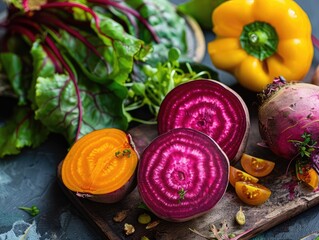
point(258, 40)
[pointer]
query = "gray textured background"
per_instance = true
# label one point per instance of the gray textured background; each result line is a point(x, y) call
point(30, 179)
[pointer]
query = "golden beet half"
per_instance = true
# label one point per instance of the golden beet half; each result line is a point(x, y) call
point(101, 165)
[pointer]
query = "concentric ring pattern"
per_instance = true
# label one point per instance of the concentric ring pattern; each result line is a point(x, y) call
point(210, 107)
point(183, 173)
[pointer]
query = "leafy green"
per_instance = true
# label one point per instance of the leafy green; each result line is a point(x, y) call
point(159, 81)
point(307, 156)
point(12, 66)
point(169, 27)
point(20, 131)
point(62, 110)
point(90, 68)
point(306, 146)
point(59, 109)
point(117, 50)
point(201, 11)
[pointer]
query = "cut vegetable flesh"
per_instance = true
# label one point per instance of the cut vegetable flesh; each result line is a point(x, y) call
point(100, 162)
point(257, 167)
point(252, 193)
point(210, 107)
point(182, 174)
point(236, 175)
point(308, 176)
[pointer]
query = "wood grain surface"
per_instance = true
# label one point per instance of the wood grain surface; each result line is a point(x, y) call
point(289, 198)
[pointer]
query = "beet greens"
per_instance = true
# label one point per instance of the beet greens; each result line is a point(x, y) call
point(68, 63)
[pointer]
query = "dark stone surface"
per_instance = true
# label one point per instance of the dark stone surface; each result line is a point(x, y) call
point(30, 179)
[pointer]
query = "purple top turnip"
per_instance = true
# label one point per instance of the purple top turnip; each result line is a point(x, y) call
point(287, 111)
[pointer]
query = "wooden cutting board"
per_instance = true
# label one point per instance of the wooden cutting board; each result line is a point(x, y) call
point(288, 199)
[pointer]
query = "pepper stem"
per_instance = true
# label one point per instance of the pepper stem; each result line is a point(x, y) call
point(259, 39)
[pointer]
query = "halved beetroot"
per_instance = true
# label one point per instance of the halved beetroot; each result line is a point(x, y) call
point(211, 107)
point(182, 174)
point(101, 166)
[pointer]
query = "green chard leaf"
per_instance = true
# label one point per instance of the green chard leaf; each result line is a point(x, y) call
point(62, 112)
point(13, 67)
point(76, 80)
point(103, 106)
point(74, 108)
point(21, 130)
point(104, 56)
point(42, 66)
point(169, 27)
point(119, 51)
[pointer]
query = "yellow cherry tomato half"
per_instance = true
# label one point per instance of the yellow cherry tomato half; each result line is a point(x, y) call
point(309, 176)
point(252, 193)
point(256, 167)
point(236, 175)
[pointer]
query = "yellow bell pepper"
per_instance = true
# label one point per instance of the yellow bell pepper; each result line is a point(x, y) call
point(258, 40)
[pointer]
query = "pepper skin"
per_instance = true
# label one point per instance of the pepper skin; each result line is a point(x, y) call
point(258, 40)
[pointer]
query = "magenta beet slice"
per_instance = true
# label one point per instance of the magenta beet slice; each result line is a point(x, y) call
point(210, 107)
point(182, 174)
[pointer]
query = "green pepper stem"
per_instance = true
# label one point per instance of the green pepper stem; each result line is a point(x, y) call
point(259, 39)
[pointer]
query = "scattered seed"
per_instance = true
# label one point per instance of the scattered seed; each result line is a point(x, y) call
point(232, 235)
point(120, 216)
point(240, 217)
point(152, 224)
point(144, 218)
point(129, 229)
point(144, 238)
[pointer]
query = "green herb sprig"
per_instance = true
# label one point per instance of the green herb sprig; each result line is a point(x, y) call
point(33, 211)
point(307, 146)
point(125, 152)
point(181, 194)
point(305, 158)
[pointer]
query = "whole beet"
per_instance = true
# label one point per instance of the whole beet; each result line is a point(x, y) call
point(286, 112)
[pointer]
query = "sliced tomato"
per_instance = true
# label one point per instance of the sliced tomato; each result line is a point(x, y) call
point(256, 167)
point(252, 193)
point(308, 176)
point(236, 175)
